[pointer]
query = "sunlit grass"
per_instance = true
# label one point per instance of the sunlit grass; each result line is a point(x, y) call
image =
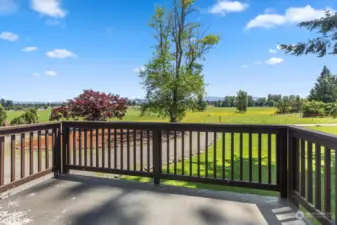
point(218, 164)
point(256, 115)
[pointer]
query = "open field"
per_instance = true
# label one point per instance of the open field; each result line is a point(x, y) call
point(213, 115)
point(42, 114)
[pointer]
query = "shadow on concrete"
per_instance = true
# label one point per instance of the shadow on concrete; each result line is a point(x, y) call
point(84, 200)
point(266, 204)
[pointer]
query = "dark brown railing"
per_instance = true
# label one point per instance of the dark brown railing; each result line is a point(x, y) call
point(312, 172)
point(27, 153)
point(298, 163)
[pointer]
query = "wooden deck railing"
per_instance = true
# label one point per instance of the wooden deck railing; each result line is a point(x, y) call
point(27, 153)
point(312, 172)
point(298, 163)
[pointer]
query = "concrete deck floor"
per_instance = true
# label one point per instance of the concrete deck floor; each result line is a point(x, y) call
point(83, 200)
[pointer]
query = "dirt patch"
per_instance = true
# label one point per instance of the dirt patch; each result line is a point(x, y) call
point(122, 136)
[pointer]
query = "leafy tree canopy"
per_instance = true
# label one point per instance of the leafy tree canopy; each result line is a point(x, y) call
point(325, 43)
point(92, 106)
point(325, 89)
point(242, 101)
point(173, 78)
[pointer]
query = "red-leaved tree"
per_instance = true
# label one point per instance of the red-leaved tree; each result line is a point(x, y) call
point(92, 106)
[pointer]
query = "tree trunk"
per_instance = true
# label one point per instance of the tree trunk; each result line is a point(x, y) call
point(173, 119)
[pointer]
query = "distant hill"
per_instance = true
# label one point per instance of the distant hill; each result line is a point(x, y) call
point(38, 103)
point(214, 99)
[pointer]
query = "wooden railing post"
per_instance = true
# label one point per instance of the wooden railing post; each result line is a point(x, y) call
point(2, 160)
point(157, 151)
point(57, 150)
point(282, 167)
point(292, 166)
point(65, 148)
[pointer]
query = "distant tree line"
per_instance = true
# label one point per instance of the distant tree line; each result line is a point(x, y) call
point(272, 100)
point(134, 102)
point(7, 104)
point(322, 100)
point(10, 105)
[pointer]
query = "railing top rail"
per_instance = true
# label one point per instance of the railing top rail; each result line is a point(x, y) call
point(27, 128)
point(322, 138)
point(178, 126)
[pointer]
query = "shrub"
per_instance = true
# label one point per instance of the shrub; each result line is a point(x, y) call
point(31, 116)
point(331, 109)
point(313, 109)
point(3, 115)
point(283, 107)
point(18, 121)
point(92, 106)
point(28, 117)
point(59, 113)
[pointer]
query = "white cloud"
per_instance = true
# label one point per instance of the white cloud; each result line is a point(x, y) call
point(292, 15)
point(50, 8)
point(8, 36)
point(266, 21)
point(61, 54)
point(8, 6)
point(274, 61)
point(50, 73)
point(29, 49)
point(244, 66)
point(226, 6)
point(35, 74)
point(272, 51)
point(140, 69)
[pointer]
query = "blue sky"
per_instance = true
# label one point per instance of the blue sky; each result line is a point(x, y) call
point(51, 50)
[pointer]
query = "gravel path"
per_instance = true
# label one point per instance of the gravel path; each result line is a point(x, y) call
point(317, 125)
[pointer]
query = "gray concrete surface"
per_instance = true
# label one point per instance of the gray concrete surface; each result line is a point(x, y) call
point(81, 200)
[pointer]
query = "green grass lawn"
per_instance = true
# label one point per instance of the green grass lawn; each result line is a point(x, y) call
point(256, 115)
point(42, 114)
point(218, 164)
point(331, 130)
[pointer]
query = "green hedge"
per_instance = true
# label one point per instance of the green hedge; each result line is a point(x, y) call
point(319, 109)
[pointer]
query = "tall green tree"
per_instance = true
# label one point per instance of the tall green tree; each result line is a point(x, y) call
point(173, 78)
point(251, 102)
point(201, 104)
point(325, 43)
point(297, 105)
point(325, 89)
point(242, 101)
